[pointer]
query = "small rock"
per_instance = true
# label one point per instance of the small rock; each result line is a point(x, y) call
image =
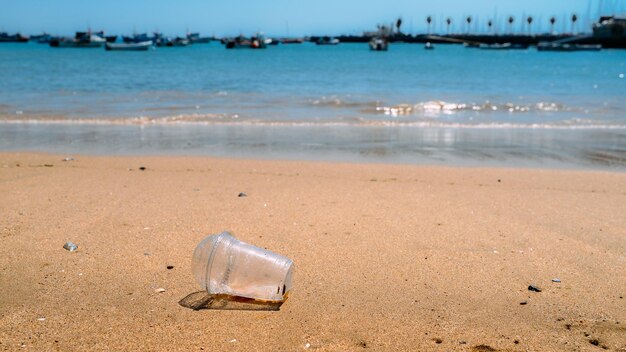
point(70, 246)
point(242, 195)
point(170, 267)
point(159, 290)
point(41, 319)
point(48, 165)
point(69, 158)
point(142, 168)
point(307, 345)
point(556, 280)
point(534, 288)
point(233, 341)
point(523, 303)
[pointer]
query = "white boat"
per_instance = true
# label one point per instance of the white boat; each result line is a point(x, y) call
point(379, 44)
point(81, 40)
point(141, 46)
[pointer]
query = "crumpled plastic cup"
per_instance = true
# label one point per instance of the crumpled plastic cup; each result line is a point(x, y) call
point(223, 265)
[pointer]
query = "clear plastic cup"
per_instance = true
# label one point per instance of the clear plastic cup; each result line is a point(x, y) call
point(224, 265)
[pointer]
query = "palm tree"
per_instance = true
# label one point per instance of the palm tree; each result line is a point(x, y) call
point(489, 24)
point(511, 20)
point(530, 22)
point(448, 22)
point(574, 19)
point(552, 21)
point(429, 19)
point(398, 24)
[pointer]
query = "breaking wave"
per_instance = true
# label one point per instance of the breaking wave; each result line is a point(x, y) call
point(235, 120)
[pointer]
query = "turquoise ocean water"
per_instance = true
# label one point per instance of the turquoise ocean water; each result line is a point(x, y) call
point(452, 105)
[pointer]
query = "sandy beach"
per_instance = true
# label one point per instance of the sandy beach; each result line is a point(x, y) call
point(388, 257)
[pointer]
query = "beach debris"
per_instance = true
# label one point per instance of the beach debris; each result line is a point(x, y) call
point(523, 303)
point(67, 158)
point(159, 290)
point(70, 246)
point(242, 269)
point(534, 288)
point(233, 341)
point(307, 345)
point(41, 319)
point(242, 195)
point(48, 165)
point(170, 267)
point(142, 168)
point(556, 279)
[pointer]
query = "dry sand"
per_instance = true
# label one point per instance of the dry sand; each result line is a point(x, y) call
point(388, 257)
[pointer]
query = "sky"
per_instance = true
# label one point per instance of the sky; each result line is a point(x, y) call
point(290, 17)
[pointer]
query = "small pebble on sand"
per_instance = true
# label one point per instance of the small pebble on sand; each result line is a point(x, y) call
point(159, 290)
point(70, 246)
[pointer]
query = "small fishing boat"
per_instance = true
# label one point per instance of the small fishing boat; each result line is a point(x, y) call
point(505, 46)
point(139, 38)
point(429, 46)
point(195, 38)
point(379, 44)
point(327, 41)
point(241, 42)
point(80, 40)
point(292, 40)
point(143, 46)
point(568, 47)
point(15, 38)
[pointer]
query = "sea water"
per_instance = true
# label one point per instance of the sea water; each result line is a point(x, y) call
point(452, 105)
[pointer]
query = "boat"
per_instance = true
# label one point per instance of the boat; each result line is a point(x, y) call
point(80, 40)
point(143, 46)
point(547, 46)
point(139, 38)
point(14, 38)
point(271, 41)
point(379, 44)
point(195, 38)
point(292, 40)
point(241, 42)
point(178, 41)
point(43, 38)
point(429, 46)
point(327, 41)
point(505, 46)
point(110, 38)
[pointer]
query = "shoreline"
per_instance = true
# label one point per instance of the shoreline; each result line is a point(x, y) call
point(388, 256)
point(577, 149)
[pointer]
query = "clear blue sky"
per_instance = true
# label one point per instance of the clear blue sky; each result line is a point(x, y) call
point(279, 17)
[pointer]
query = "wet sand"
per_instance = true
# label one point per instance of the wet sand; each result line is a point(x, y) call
point(388, 257)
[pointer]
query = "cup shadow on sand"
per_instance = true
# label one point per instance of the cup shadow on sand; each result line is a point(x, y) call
point(201, 300)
